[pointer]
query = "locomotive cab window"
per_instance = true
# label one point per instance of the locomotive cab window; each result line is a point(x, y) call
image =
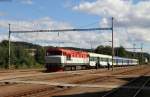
point(68, 57)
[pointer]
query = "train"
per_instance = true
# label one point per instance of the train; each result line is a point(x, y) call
point(60, 59)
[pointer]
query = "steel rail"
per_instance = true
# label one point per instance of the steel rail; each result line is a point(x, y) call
point(138, 91)
point(109, 93)
point(118, 88)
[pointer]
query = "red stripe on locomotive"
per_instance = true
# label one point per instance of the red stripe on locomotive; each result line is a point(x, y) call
point(66, 52)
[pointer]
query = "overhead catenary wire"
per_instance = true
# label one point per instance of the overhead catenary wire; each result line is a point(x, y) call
point(59, 30)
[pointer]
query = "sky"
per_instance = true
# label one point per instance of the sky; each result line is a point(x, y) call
point(131, 22)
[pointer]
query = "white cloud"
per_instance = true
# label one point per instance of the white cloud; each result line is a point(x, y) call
point(76, 39)
point(132, 22)
point(128, 15)
point(3, 37)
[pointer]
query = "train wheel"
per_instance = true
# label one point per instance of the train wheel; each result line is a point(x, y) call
point(67, 68)
point(83, 67)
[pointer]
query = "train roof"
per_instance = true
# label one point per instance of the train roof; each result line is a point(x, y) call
point(83, 52)
point(66, 50)
point(99, 55)
point(123, 58)
point(108, 56)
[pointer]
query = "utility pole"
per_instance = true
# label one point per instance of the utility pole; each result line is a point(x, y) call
point(9, 59)
point(58, 39)
point(134, 50)
point(112, 45)
point(141, 53)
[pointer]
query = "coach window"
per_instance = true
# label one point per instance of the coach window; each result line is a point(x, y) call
point(120, 60)
point(94, 58)
point(105, 59)
point(110, 60)
point(114, 60)
point(91, 58)
point(102, 59)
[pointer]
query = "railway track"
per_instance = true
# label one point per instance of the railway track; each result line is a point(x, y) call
point(140, 83)
point(28, 93)
point(129, 71)
point(82, 78)
point(21, 70)
point(94, 79)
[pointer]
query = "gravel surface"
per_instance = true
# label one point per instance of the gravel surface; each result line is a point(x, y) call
point(100, 77)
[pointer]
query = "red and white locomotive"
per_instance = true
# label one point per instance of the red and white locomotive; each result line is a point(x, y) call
point(59, 59)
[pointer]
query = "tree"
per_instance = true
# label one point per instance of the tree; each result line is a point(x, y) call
point(104, 50)
point(3, 57)
point(22, 57)
point(40, 54)
point(4, 54)
point(121, 52)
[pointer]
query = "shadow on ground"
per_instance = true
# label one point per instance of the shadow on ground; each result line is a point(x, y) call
point(95, 94)
point(121, 93)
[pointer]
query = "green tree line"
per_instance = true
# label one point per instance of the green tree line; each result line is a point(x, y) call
point(20, 57)
point(121, 52)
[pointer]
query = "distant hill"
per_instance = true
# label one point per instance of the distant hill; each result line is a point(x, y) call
point(25, 44)
point(19, 44)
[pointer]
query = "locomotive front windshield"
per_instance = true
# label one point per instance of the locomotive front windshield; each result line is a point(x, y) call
point(50, 53)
